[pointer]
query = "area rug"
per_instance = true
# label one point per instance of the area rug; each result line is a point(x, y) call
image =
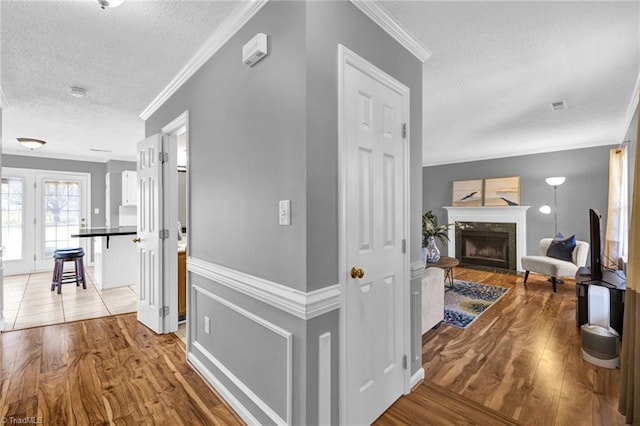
point(466, 301)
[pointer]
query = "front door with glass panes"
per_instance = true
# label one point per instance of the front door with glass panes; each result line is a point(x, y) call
point(40, 212)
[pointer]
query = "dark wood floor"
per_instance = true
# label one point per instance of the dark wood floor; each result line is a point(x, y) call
point(519, 363)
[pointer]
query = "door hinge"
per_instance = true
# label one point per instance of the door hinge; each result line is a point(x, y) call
point(164, 311)
point(404, 130)
point(404, 362)
point(163, 157)
point(404, 246)
point(163, 234)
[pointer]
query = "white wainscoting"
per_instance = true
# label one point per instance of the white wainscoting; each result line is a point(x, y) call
point(417, 269)
point(304, 305)
point(511, 214)
point(285, 335)
point(324, 379)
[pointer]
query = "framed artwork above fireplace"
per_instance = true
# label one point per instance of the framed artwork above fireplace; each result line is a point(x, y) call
point(502, 191)
point(467, 193)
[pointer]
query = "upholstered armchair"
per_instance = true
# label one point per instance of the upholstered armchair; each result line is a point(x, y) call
point(552, 266)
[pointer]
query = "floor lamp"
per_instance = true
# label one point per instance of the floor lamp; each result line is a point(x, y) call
point(555, 182)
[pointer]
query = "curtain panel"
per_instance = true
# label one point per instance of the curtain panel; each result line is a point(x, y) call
point(615, 247)
point(629, 400)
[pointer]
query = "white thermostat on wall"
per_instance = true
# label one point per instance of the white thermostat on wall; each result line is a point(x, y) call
point(255, 49)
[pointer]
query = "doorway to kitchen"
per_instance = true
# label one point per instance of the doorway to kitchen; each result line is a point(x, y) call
point(178, 133)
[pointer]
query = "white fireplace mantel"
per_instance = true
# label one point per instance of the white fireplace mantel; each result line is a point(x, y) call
point(512, 214)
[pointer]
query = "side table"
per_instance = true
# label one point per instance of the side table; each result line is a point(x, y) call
point(447, 263)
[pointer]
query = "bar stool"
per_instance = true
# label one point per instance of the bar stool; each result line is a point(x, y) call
point(59, 276)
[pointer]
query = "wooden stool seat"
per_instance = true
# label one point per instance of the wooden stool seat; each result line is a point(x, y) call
point(60, 277)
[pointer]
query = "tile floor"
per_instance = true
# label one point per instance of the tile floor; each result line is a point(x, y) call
point(29, 301)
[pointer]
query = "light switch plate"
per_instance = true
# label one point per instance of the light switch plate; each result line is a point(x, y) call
point(96, 211)
point(284, 212)
point(207, 325)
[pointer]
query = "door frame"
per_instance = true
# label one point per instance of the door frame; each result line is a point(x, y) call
point(170, 132)
point(347, 58)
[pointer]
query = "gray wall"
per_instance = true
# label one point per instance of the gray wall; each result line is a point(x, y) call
point(97, 171)
point(247, 150)
point(115, 169)
point(586, 170)
point(267, 133)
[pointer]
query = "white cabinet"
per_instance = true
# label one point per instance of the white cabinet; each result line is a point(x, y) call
point(129, 188)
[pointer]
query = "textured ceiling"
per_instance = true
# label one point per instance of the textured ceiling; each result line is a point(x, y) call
point(122, 56)
point(495, 68)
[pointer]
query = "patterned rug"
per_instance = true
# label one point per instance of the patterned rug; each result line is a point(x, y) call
point(466, 301)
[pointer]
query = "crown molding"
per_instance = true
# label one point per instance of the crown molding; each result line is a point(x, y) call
point(631, 109)
point(381, 17)
point(229, 27)
point(4, 103)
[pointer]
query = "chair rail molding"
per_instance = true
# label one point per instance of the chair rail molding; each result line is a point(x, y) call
point(417, 269)
point(304, 305)
point(511, 214)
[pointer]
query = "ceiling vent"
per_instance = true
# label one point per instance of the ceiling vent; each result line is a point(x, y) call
point(559, 105)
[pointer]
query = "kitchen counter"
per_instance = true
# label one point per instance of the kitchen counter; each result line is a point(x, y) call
point(105, 232)
point(116, 259)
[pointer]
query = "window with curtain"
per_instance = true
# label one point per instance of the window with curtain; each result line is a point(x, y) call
point(616, 242)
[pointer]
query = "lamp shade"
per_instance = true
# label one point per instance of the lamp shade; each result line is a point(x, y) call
point(31, 143)
point(545, 209)
point(556, 181)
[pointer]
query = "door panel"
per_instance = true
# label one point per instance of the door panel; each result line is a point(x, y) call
point(61, 210)
point(17, 221)
point(150, 245)
point(374, 114)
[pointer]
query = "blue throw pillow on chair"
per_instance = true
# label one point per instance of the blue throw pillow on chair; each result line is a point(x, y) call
point(562, 248)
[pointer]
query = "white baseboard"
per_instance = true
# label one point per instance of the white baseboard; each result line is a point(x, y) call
point(417, 377)
point(230, 399)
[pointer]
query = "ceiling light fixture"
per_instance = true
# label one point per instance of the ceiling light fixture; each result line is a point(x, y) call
point(78, 92)
point(31, 143)
point(109, 3)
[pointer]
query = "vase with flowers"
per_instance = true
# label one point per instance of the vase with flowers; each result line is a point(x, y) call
point(430, 231)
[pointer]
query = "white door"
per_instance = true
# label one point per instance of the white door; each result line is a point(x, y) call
point(40, 210)
point(17, 221)
point(150, 245)
point(374, 151)
point(61, 209)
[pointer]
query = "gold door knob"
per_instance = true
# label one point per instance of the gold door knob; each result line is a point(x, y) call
point(136, 240)
point(357, 272)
